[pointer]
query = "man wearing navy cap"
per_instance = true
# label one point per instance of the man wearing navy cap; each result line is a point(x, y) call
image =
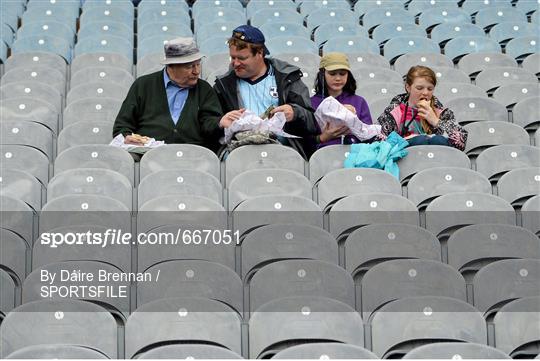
point(257, 83)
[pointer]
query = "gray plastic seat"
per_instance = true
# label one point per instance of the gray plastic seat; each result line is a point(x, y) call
point(518, 185)
point(471, 248)
point(444, 32)
point(282, 323)
point(516, 331)
point(529, 213)
point(378, 106)
point(465, 208)
point(308, 6)
point(377, 243)
point(59, 352)
point(377, 16)
point(103, 29)
point(179, 181)
point(258, 182)
point(98, 181)
point(475, 109)
point(361, 7)
point(430, 156)
point(447, 91)
point(318, 350)
point(358, 60)
point(7, 298)
point(358, 210)
point(510, 94)
point(399, 278)
point(262, 156)
point(96, 89)
point(507, 30)
point(305, 61)
point(196, 7)
point(451, 75)
point(401, 325)
point(503, 281)
point(92, 109)
point(107, 13)
point(182, 351)
point(32, 286)
point(101, 73)
point(327, 31)
point(153, 44)
point(207, 30)
point(83, 132)
point(211, 63)
point(20, 220)
point(325, 15)
point(21, 185)
point(32, 134)
point(43, 44)
point(431, 183)
point(179, 209)
point(34, 89)
point(214, 45)
point(256, 5)
point(492, 78)
point(262, 210)
point(300, 277)
point(60, 322)
point(375, 91)
point(463, 45)
point(433, 60)
point(386, 31)
point(35, 58)
point(277, 242)
point(157, 322)
point(43, 253)
point(169, 28)
point(100, 59)
point(532, 63)
point(375, 74)
point(448, 350)
point(522, 46)
point(13, 260)
point(25, 158)
point(39, 73)
point(494, 15)
point(84, 209)
point(495, 161)
point(192, 278)
point(291, 44)
point(472, 6)
point(483, 135)
point(476, 62)
point(343, 182)
point(401, 45)
point(221, 14)
point(443, 15)
point(525, 113)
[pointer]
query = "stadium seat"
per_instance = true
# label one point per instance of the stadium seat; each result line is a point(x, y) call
point(525, 113)
point(117, 306)
point(473, 247)
point(451, 75)
point(13, 260)
point(291, 44)
point(318, 350)
point(197, 6)
point(20, 220)
point(42, 74)
point(156, 322)
point(103, 29)
point(362, 7)
point(492, 78)
point(358, 210)
point(308, 6)
point(41, 11)
point(488, 17)
point(223, 29)
point(305, 61)
point(97, 89)
point(370, 74)
point(300, 278)
point(83, 132)
point(91, 110)
point(351, 44)
point(327, 15)
point(98, 181)
point(375, 91)
point(101, 74)
point(430, 183)
point(510, 94)
point(387, 31)
point(150, 63)
point(515, 327)
point(182, 351)
point(483, 135)
point(278, 242)
point(404, 324)
point(34, 89)
point(401, 45)
point(340, 183)
point(126, 5)
point(474, 63)
point(417, 7)
point(49, 27)
point(57, 351)
point(153, 44)
point(447, 91)
point(475, 109)
point(214, 45)
point(219, 15)
point(443, 15)
point(522, 46)
point(327, 31)
point(503, 281)
point(27, 133)
point(465, 208)
point(518, 185)
point(507, 30)
point(359, 60)
point(100, 60)
point(448, 350)
point(282, 323)
point(473, 6)
point(430, 156)
point(447, 31)
point(107, 13)
point(529, 213)
point(378, 106)
point(432, 60)
point(192, 278)
point(25, 158)
point(463, 45)
point(21, 185)
point(255, 5)
point(180, 156)
point(179, 181)
point(495, 161)
point(60, 322)
point(96, 156)
point(104, 44)
point(169, 28)
point(532, 63)
point(377, 16)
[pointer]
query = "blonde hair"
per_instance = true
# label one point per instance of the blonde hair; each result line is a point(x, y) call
point(420, 71)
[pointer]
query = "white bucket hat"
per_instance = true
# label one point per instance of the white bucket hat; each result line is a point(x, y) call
point(181, 51)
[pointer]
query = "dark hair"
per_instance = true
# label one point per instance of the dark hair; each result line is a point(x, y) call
point(322, 89)
point(241, 44)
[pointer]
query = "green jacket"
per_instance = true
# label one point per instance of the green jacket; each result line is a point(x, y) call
point(145, 111)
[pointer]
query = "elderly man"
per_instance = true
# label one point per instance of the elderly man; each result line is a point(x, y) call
point(173, 104)
point(258, 83)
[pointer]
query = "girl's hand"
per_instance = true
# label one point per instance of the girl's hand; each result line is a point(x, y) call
point(426, 112)
point(350, 107)
point(332, 132)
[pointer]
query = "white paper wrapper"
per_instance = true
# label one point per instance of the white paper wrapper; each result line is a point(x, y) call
point(251, 121)
point(118, 141)
point(333, 112)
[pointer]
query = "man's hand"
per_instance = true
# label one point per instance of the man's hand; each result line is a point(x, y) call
point(285, 108)
point(231, 117)
point(350, 108)
point(331, 132)
point(136, 139)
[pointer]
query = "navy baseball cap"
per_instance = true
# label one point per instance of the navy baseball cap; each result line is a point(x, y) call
point(250, 34)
